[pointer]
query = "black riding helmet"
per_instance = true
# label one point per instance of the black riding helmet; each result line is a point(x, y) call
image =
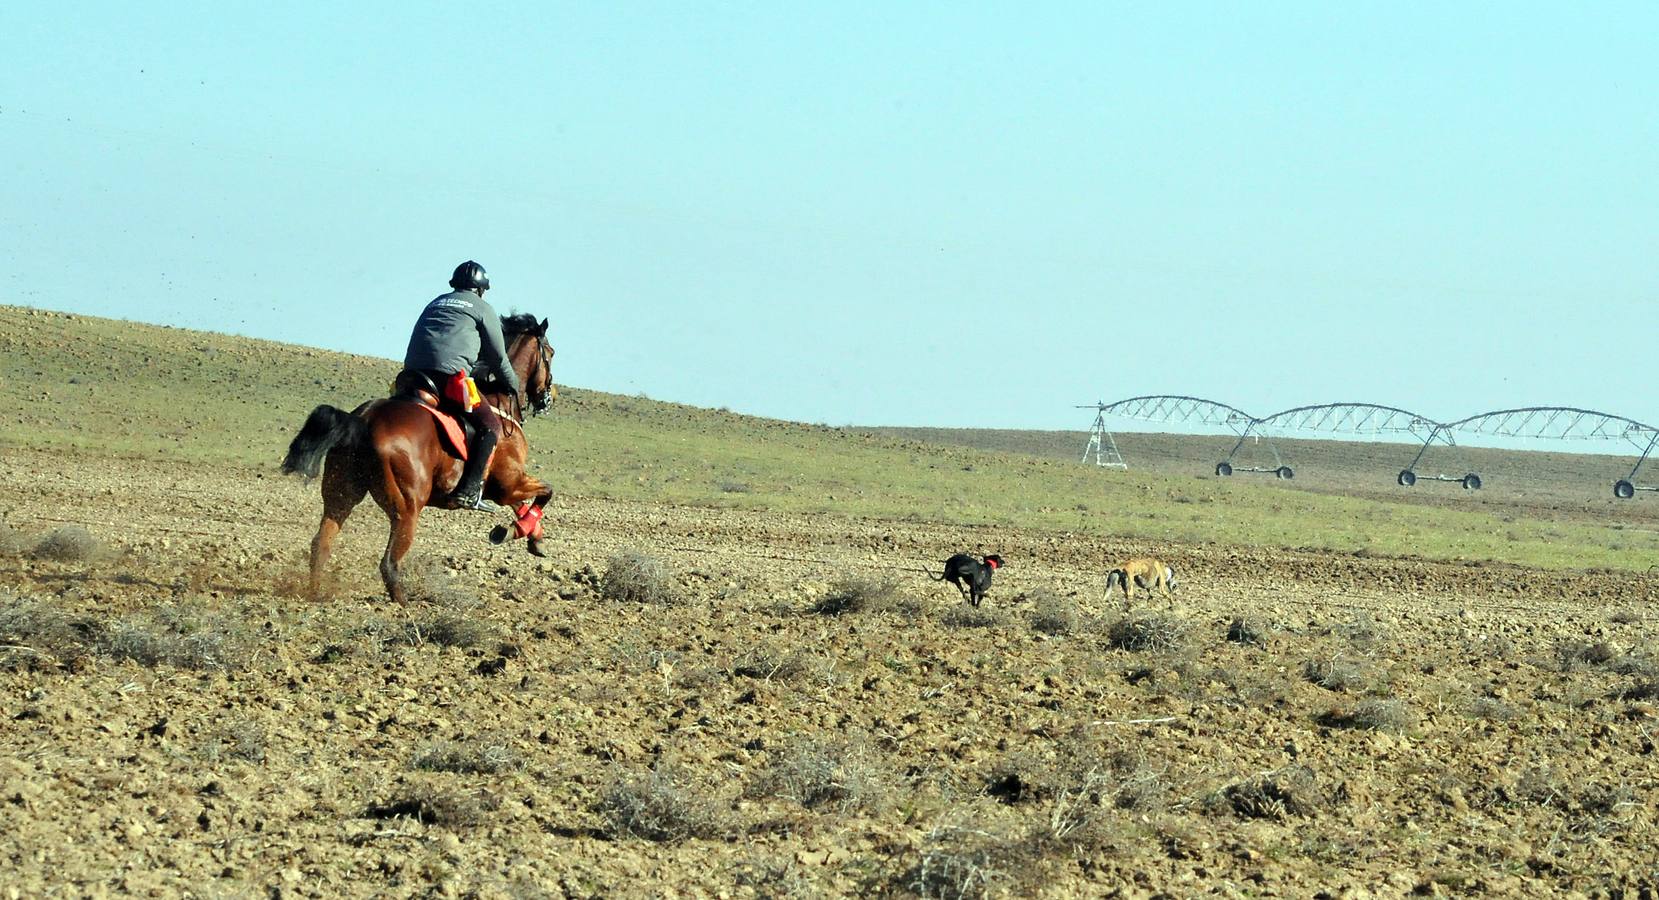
point(470, 276)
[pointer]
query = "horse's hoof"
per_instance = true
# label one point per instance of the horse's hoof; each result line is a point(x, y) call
point(536, 550)
point(498, 534)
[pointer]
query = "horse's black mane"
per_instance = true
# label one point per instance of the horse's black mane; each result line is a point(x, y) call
point(518, 323)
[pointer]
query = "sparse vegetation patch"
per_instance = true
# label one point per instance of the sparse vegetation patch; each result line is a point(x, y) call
point(635, 577)
point(70, 543)
point(479, 756)
point(662, 804)
point(857, 594)
point(1153, 632)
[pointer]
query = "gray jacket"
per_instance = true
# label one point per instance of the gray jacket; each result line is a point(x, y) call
point(459, 332)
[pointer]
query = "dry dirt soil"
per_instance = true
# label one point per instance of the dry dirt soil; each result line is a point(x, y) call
point(789, 707)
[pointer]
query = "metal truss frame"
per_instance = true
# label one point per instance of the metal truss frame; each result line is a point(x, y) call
point(1101, 444)
point(1541, 422)
point(1570, 423)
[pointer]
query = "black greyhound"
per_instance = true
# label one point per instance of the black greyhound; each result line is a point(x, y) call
point(977, 575)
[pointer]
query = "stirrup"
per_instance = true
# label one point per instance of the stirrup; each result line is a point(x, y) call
point(475, 503)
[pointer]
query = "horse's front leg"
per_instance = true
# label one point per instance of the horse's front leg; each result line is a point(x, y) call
point(398, 544)
point(527, 496)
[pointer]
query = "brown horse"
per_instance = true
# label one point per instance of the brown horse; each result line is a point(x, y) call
point(391, 449)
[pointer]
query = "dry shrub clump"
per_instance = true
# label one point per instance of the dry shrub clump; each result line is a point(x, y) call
point(634, 577)
point(662, 804)
point(450, 628)
point(963, 615)
point(770, 876)
point(1278, 795)
point(427, 580)
point(1081, 770)
point(1154, 632)
point(816, 773)
point(856, 595)
point(1053, 614)
point(1338, 673)
point(453, 617)
point(244, 740)
point(1361, 631)
point(1491, 709)
point(71, 543)
point(33, 632)
point(437, 804)
point(1375, 714)
point(1643, 689)
point(476, 757)
point(771, 662)
point(959, 862)
point(1572, 655)
point(186, 637)
point(11, 542)
point(1247, 630)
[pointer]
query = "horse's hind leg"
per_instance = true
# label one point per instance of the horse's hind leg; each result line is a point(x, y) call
point(341, 494)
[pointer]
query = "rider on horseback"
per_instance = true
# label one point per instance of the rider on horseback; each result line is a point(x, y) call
point(457, 333)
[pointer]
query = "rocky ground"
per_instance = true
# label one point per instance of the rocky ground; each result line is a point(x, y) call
point(698, 702)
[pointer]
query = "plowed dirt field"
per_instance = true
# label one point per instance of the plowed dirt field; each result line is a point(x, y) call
point(794, 710)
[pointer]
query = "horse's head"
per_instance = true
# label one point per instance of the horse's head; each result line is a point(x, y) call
point(532, 358)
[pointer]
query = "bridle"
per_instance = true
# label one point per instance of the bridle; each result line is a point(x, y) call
point(543, 399)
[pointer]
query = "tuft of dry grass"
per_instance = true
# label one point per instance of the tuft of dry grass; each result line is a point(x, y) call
point(11, 542)
point(1361, 631)
point(662, 804)
point(771, 662)
point(186, 637)
point(958, 862)
point(857, 595)
point(1643, 689)
point(34, 632)
point(1572, 655)
point(1491, 709)
point(634, 577)
point(1153, 632)
point(451, 628)
point(1053, 614)
point(1338, 673)
point(772, 877)
point(962, 615)
point(1277, 795)
point(1375, 714)
point(70, 543)
point(245, 740)
point(436, 804)
point(1247, 630)
point(475, 757)
point(819, 773)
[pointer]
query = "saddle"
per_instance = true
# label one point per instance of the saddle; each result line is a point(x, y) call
point(456, 432)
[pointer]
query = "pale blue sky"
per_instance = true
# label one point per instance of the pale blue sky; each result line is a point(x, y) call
point(955, 214)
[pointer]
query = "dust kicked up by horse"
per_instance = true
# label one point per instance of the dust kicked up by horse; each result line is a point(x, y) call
point(392, 449)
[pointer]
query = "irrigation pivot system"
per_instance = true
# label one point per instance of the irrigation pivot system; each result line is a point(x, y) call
point(1566, 423)
point(1367, 419)
point(1185, 411)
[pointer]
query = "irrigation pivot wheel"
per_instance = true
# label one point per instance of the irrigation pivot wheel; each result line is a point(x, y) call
point(1623, 489)
point(1407, 478)
point(1223, 469)
point(1471, 482)
point(1285, 472)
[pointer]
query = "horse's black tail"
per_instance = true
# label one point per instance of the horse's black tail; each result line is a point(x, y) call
point(325, 429)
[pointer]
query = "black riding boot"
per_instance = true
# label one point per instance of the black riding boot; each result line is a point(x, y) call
point(469, 493)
